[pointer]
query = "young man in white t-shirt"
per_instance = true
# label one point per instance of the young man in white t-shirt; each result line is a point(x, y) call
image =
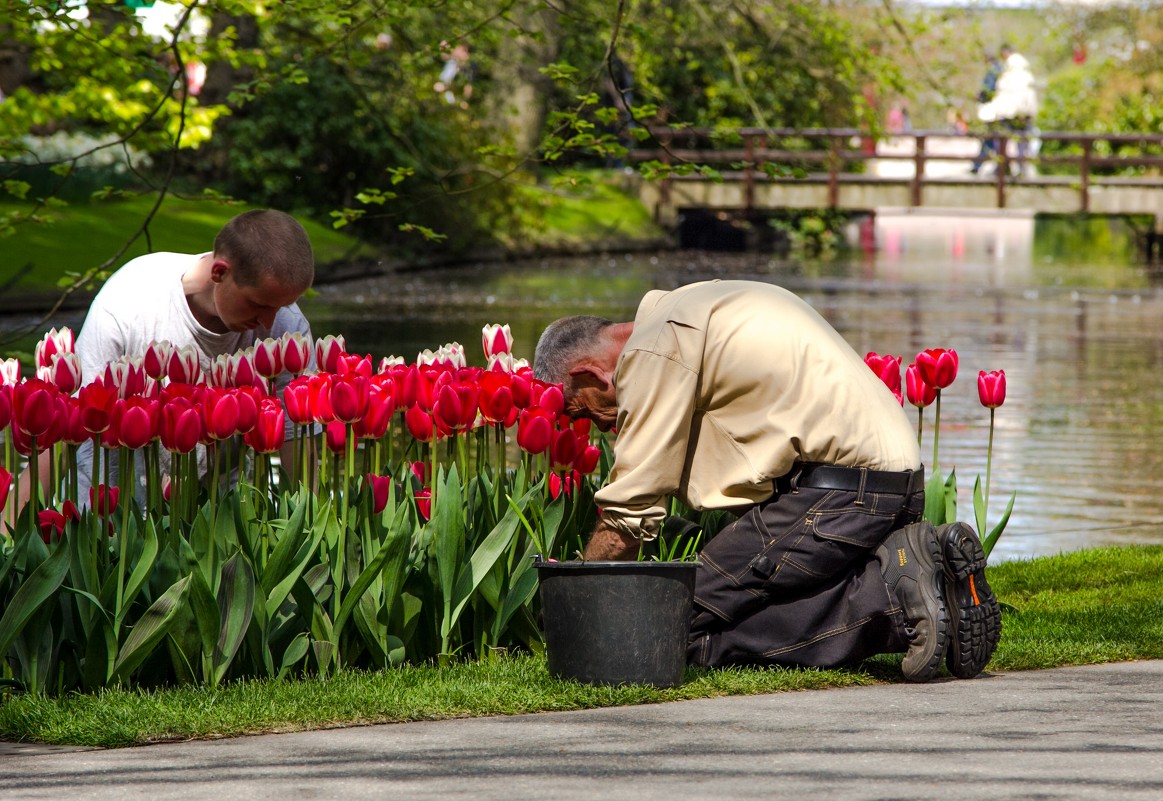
point(220, 302)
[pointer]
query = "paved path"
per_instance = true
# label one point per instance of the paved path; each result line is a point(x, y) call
point(1072, 733)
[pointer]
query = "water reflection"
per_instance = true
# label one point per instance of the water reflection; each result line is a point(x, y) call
point(1080, 344)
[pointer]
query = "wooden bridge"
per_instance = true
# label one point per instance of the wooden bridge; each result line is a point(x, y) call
point(757, 170)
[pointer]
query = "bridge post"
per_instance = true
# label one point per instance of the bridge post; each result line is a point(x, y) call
point(918, 171)
point(1087, 146)
point(1003, 170)
point(749, 171)
point(834, 172)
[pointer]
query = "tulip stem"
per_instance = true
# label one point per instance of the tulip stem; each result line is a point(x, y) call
point(936, 431)
point(988, 459)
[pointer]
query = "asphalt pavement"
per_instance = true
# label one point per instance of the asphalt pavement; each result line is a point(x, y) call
point(1071, 733)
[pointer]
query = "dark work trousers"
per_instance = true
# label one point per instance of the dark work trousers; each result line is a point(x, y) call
point(795, 581)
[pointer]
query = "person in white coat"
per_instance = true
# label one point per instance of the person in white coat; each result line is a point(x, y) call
point(1014, 103)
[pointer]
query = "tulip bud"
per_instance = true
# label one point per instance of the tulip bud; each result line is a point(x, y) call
point(34, 406)
point(296, 352)
point(65, 372)
point(381, 487)
point(887, 369)
point(10, 372)
point(424, 504)
point(991, 388)
point(268, 357)
point(54, 342)
point(328, 349)
point(156, 359)
point(388, 362)
point(335, 437)
point(496, 339)
point(183, 365)
point(534, 431)
point(5, 486)
point(918, 392)
point(103, 499)
point(269, 431)
point(240, 369)
point(419, 424)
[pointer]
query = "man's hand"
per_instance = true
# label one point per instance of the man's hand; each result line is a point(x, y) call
point(608, 544)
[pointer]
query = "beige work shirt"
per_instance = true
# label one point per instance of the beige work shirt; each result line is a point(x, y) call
point(722, 386)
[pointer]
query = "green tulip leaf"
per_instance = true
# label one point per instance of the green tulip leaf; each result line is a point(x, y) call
point(149, 630)
point(34, 592)
point(235, 608)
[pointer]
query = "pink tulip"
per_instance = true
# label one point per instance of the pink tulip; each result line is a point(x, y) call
point(534, 431)
point(220, 413)
point(887, 369)
point(183, 366)
point(496, 339)
point(181, 427)
point(296, 352)
point(297, 397)
point(328, 349)
point(991, 388)
point(335, 437)
point(349, 395)
point(9, 372)
point(103, 499)
point(268, 357)
point(156, 359)
point(136, 421)
point(64, 372)
point(5, 486)
point(54, 342)
point(419, 424)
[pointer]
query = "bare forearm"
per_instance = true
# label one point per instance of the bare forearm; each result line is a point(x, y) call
point(608, 544)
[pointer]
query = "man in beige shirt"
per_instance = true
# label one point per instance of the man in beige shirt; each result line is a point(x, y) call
point(737, 395)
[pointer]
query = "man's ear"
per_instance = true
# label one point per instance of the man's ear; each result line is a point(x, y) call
point(590, 375)
point(219, 269)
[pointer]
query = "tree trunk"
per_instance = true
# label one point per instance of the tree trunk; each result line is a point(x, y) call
point(520, 94)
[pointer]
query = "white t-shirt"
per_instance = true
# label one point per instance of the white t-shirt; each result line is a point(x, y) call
point(144, 302)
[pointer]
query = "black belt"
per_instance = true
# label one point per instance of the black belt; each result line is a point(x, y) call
point(853, 479)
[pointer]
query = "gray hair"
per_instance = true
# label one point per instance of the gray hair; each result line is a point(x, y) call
point(564, 343)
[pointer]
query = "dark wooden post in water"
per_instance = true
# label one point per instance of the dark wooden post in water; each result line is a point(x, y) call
point(1003, 170)
point(834, 171)
point(918, 170)
point(1087, 146)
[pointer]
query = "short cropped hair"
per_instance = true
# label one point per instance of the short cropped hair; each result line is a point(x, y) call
point(564, 343)
point(265, 242)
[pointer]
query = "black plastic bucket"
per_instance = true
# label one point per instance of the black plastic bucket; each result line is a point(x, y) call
point(617, 622)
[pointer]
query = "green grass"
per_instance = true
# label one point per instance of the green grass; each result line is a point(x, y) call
point(1082, 608)
point(603, 207)
point(82, 235)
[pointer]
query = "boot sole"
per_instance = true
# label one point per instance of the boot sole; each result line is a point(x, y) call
point(937, 605)
point(974, 611)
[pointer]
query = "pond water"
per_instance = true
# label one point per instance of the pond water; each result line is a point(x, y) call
point(1062, 307)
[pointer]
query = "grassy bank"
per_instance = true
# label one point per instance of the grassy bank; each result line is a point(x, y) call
point(1081, 608)
point(82, 235)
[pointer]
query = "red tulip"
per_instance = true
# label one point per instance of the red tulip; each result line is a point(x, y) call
point(551, 399)
point(938, 367)
point(447, 409)
point(380, 486)
point(296, 352)
point(156, 359)
point(335, 437)
point(380, 408)
point(424, 504)
point(220, 413)
point(269, 431)
point(5, 407)
point(184, 366)
point(587, 461)
point(419, 424)
point(918, 392)
point(5, 487)
point(34, 406)
point(249, 398)
point(496, 396)
point(297, 397)
point(563, 450)
point(75, 432)
point(321, 410)
point(52, 523)
point(96, 406)
point(268, 357)
point(534, 431)
point(349, 396)
point(559, 483)
point(887, 369)
point(103, 499)
point(991, 388)
point(181, 427)
point(351, 363)
point(135, 421)
point(422, 471)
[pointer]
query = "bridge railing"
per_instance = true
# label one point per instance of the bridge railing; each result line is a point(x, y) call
point(845, 155)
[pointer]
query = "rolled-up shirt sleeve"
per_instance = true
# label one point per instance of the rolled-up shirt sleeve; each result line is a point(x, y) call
point(656, 405)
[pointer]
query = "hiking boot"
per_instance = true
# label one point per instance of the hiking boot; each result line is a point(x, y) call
point(974, 612)
point(910, 560)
